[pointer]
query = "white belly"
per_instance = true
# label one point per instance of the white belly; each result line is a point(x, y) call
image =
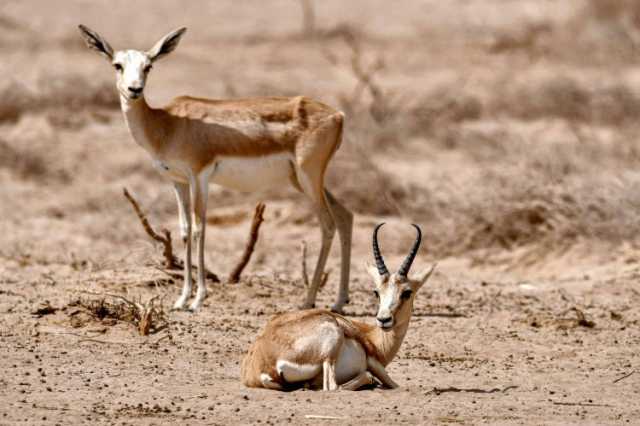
point(352, 361)
point(249, 174)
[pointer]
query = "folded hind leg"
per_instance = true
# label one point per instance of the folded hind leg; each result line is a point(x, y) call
point(268, 382)
point(363, 379)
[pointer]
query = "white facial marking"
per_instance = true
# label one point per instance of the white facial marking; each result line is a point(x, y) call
point(132, 67)
point(293, 372)
point(390, 295)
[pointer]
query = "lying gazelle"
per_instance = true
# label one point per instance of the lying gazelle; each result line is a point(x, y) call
point(243, 144)
point(321, 348)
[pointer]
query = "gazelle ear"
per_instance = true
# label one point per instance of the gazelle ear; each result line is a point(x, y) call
point(166, 44)
point(96, 42)
point(424, 276)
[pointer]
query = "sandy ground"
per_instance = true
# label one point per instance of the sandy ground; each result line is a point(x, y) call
point(508, 133)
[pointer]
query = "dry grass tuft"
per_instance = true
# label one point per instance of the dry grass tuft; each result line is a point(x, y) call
point(147, 318)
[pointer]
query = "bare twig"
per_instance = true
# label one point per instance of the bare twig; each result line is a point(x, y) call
point(624, 377)
point(322, 417)
point(438, 391)
point(171, 262)
point(580, 404)
point(305, 276)
point(106, 342)
point(258, 218)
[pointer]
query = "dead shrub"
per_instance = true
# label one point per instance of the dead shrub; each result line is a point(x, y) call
point(568, 99)
point(59, 97)
point(441, 107)
point(147, 318)
point(30, 164)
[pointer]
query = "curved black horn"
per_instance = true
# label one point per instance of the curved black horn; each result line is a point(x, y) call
point(406, 265)
point(382, 268)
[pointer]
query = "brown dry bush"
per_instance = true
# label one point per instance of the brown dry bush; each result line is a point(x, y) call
point(58, 96)
point(568, 99)
point(27, 163)
point(147, 319)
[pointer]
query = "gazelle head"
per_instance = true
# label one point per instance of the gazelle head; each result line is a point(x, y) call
point(395, 292)
point(132, 66)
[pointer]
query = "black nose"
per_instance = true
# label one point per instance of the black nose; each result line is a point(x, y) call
point(136, 90)
point(384, 320)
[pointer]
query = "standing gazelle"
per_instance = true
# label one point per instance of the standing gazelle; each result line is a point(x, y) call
point(324, 349)
point(243, 144)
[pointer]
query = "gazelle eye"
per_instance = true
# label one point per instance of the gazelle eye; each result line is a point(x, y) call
point(118, 67)
point(376, 294)
point(406, 294)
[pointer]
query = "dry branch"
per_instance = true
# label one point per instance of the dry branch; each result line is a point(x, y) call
point(624, 377)
point(305, 276)
point(258, 218)
point(438, 391)
point(364, 75)
point(580, 404)
point(171, 262)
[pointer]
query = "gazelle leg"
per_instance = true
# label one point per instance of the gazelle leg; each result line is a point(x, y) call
point(182, 195)
point(199, 195)
point(380, 373)
point(344, 222)
point(310, 166)
point(328, 228)
point(363, 379)
point(184, 207)
point(329, 375)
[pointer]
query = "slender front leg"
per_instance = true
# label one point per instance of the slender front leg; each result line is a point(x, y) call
point(184, 208)
point(200, 193)
point(362, 379)
point(329, 375)
point(380, 373)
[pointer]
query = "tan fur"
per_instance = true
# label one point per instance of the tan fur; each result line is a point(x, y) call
point(246, 144)
point(301, 342)
point(199, 130)
point(277, 341)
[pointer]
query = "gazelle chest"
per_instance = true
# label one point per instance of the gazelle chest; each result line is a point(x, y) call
point(172, 171)
point(249, 174)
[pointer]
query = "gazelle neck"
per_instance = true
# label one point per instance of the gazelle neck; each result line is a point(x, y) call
point(388, 342)
point(142, 126)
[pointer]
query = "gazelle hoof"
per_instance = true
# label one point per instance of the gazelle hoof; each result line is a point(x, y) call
point(179, 305)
